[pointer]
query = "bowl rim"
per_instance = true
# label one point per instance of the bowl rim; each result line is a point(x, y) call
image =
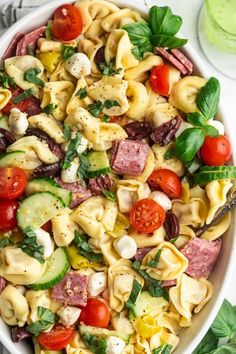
point(45, 12)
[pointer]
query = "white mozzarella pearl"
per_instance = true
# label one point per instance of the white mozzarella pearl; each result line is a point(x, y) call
point(126, 247)
point(78, 65)
point(18, 122)
point(161, 199)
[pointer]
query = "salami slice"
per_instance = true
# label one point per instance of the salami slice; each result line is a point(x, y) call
point(11, 49)
point(202, 256)
point(3, 283)
point(182, 58)
point(97, 184)
point(72, 290)
point(30, 40)
point(171, 59)
point(129, 157)
point(141, 253)
point(79, 192)
point(34, 107)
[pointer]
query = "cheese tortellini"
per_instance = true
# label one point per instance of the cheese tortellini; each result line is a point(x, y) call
point(5, 96)
point(140, 71)
point(63, 229)
point(49, 125)
point(172, 164)
point(128, 192)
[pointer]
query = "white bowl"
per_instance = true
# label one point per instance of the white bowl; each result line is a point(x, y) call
point(221, 276)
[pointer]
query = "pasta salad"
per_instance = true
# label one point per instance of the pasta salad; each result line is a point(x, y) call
point(114, 186)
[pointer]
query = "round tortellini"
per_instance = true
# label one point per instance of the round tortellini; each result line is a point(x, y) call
point(5, 96)
point(49, 125)
point(140, 71)
point(13, 306)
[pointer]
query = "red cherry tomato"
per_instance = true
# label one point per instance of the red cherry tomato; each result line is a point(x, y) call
point(47, 226)
point(13, 181)
point(147, 216)
point(57, 339)
point(95, 313)
point(216, 151)
point(160, 80)
point(22, 106)
point(68, 23)
point(8, 209)
point(167, 181)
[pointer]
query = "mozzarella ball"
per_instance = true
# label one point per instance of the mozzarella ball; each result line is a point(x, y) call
point(69, 315)
point(69, 175)
point(218, 125)
point(115, 345)
point(161, 199)
point(97, 283)
point(44, 239)
point(78, 65)
point(18, 122)
point(126, 247)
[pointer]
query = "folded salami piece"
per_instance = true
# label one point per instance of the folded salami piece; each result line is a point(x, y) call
point(177, 59)
point(202, 256)
point(98, 184)
point(30, 41)
point(72, 290)
point(11, 49)
point(182, 58)
point(129, 156)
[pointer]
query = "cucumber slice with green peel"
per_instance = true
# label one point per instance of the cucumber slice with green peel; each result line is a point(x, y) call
point(48, 185)
point(56, 268)
point(217, 169)
point(37, 209)
point(102, 332)
point(99, 164)
point(206, 177)
point(4, 122)
point(14, 159)
point(146, 304)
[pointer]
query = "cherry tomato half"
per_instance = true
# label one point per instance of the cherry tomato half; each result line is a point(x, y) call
point(68, 23)
point(95, 313)
point(147, 216)
point(13, 181)
point(160, 80)
point(22, 106)
point(167, 181)
point(57, 339)
point(216, 151)
point(8, 209)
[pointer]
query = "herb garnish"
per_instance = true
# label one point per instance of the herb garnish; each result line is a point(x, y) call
point(154, 286)
point(71, 151)
point(67, 51)
point(163, 349)
point(94, 344)
point(109, 195)
point(84, 165)
point(50, 108)
point(169, 154)
point(48, 31)
point(6, 81)
point(6, 242)
point(67, 132)
point(96, 108)
point(30, 245)
point(24, 95)
point(85, 249)
point(30, 50)
point(82, 93)
point(153, 263)
point(136, 289)
point(31, 76)
point(107, 69)
point(47, 319)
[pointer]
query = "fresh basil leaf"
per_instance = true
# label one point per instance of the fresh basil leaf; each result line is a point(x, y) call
point(46, 314)
point(37, 327)
point(169, 154)
point(196, 119)
point(47, 318)
point(30, 245)
point(166, 41)
point(188, 143)
point(137, 53)
point(163, 349)
point(208, 97)
point(85, 250)
point(71, 151)
point(154, 262)
point(107, 69)
point(162, 20)
point(228, 348)
point(106, 118)
point(94, 344)
point(136, 289)
point(48, 31)
point(208, 343)
point(211, 131)
point(24, 95)
point(50, 108)
point(95, 108)
point(172, 240)
point(139, 35)
point(109, 195)
point(6, 242)
point(67, 51)
point(67, 132)
point(84, 165)
point(6, 81)
point(31, 76)
point(30, 50)
point(82, 93)
point(111, 103)
point(224, 324)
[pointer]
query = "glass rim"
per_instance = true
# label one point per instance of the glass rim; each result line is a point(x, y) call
point(209, 10)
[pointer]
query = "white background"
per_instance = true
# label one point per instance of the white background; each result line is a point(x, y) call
point(189, 10)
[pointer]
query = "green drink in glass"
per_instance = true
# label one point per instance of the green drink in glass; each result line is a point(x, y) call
point(220, 24)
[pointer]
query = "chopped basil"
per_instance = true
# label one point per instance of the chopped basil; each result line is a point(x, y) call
point(172, 240)
point(83, 166)
point(95, 108)
point(105, 118)
point(153, 263)
point(30, 50)
point(24, 95)
point(71, 151)
point(31, 76)
point(169, 154)
point(6, 81)
point(48, 31)
point(163, 349)
point(47, 319)
point(109, 195)
point(85, 249)
point(50, 108)
point(94, 344)
point(30, 245)
point(137, 287)
point(6, 242)
point(82, 93)
point(107, 69)
point(67, 51)
point(111, 103)
point(67, 132)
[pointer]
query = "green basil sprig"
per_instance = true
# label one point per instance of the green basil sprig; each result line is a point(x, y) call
point(94, 344)
point(96, 108)
point(107, 69)
point(109, 195)
point(136, 289)
point(24, 95)
point(208, 98)
point(155, 261)
point(6, 81)
point(82, 93)
point(31, 76)
point(50, 108)
point(67, 51)
point(30, 245)
point(6, 242)
point(47, 319)
point(71, 151)
point(84, 248)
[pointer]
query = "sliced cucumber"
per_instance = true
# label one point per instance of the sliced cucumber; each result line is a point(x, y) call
point(99, 164)
point(217, 169)
point(37, 209)
point(48, 185)
point(146, 304)
point(203, 178)
point(102, 332)
point(14, 159)
point(4, 122)
point(56, 268)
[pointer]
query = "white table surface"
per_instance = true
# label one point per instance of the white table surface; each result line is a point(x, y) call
point(189, 10)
